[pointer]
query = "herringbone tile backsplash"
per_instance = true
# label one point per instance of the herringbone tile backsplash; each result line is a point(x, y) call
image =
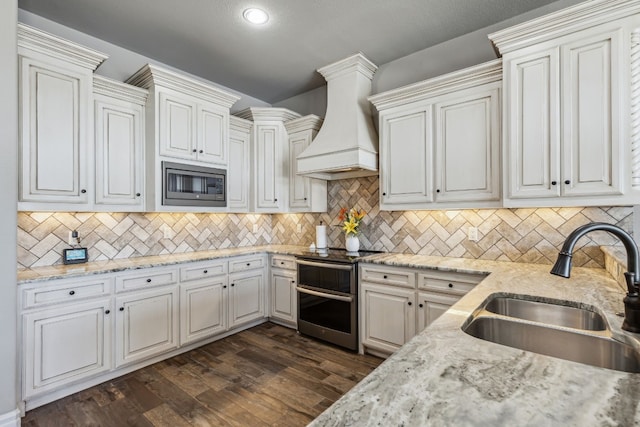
point(522, 235)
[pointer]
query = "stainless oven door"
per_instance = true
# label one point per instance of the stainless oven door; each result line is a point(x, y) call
point(323, 275)
point(328, 316)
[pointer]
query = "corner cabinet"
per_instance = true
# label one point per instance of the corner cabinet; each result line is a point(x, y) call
point(55, 104)
point(119, 144)
point(440, 141)
point(305, 194)
point(238, 174)
point(397, 303)
point(569, 107)
point(270, 158)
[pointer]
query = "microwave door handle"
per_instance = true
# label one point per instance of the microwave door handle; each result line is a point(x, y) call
point(323, 295)
point(324, 265)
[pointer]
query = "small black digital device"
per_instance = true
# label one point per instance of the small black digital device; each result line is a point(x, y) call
point(75, 256)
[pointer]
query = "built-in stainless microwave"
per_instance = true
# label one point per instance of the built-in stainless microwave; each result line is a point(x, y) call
point(187, 185)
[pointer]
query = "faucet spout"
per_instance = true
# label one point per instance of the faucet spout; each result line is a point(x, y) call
point(562, 267)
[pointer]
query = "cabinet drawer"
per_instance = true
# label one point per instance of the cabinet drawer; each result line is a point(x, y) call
point(146, 279)
point(203, 270)
point(450, 283)
point(244, 264)
point(388, 276)
point(286, 262)
point(68, 291)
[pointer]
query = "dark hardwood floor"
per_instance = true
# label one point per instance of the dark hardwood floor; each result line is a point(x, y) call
point(265, 376)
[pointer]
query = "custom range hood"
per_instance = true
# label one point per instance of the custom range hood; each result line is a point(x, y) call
point(347, 144)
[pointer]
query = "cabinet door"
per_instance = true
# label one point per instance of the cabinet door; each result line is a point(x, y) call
point(283, 295)
point(212, 134)
point(431, 306)
point(146, 324)
point(203, 309)
point(246, 297)
point(119, 144)
point(299, 186)
point(591, 116)
point(532, 127)
point(467, 146)
point(387, 316)
point(177, 126)
point(406, 158)
point(63, 345)
point(55, 138)
point(269, 180)
point(238, 173)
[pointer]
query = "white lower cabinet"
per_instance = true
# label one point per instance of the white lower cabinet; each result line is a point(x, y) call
point(431, 306)
point(66, 344)
point(397, 303)
point(246, 297)
point(146, 324)
point(203, 309)
point(284, 304)
point(388, 317)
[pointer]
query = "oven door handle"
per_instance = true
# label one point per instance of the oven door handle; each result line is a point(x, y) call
point(324, 265)
point(323, 295)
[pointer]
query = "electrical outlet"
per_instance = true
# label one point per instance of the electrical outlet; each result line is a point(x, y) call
point(299, 228)
point(255, 228)
point(472, 234)
point(166, 231)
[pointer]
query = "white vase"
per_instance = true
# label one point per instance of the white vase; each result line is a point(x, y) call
point(352, 243)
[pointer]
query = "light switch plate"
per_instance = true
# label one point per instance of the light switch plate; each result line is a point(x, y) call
point(472, 234)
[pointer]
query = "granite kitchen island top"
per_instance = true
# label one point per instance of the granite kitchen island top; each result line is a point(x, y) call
point(444, 377)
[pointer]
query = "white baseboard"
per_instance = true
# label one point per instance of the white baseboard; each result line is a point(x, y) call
point(10, 419)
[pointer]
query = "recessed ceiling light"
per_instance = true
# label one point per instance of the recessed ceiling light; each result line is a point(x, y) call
point(256, 16)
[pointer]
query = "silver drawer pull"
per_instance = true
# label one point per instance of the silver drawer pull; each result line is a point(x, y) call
point(323, 295)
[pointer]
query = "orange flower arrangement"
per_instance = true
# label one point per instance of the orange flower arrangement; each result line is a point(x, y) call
point(351, 219)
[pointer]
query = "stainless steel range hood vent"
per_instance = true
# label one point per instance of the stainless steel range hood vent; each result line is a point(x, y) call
point(347, 144)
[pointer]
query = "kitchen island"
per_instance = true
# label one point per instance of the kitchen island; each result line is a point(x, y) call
point(444, 377)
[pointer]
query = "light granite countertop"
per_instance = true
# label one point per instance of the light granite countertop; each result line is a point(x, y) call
point(444, 377)
point(100, 267)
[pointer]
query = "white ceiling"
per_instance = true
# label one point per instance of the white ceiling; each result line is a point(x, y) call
point(278, 60)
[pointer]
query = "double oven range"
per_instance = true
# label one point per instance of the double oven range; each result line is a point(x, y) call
point(328, 295)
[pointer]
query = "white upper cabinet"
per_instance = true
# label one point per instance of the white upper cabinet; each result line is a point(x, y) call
point(238, 176)
point(187, 119)
point(569, 106)
point(270, 158)
point(440, 141)
point(55, 115)
point(305, 194)
point(119, 144)
point(467, 148)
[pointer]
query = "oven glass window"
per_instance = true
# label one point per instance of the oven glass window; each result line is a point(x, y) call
point(325, 312)
point(325, 278)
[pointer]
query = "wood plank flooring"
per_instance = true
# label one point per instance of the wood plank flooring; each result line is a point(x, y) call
point(265, 376)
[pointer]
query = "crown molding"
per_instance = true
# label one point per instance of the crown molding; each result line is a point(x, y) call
point(35, 40)
point(151, 75)
point(309, 122)
point(487, 72)
point(119, 90)
point(562, 22)
point(240, 124)
point(357, 62)
point(267, 114)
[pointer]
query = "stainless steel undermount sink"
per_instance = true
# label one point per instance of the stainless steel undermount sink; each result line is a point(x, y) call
point(549, 313)
point(552, 329)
